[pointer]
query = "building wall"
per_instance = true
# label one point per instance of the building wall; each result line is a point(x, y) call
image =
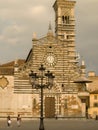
point(93, 89)
point(6, 95)
point(94, 84)
point(93, 110)
point(11, 103)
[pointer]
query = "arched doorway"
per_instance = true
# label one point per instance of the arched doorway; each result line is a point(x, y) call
point(49, 107)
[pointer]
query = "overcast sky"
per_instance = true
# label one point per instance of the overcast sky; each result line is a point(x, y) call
point(20, 18)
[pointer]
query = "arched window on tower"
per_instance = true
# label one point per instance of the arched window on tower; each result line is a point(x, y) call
point(63, 20)
point(67, 19)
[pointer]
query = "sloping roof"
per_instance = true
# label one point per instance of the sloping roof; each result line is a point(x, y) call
point(8, 68)
point(94, 92)
point(82, 79)
point(11, 64)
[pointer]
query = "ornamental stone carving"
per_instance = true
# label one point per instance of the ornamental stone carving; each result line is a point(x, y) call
point(3, 82)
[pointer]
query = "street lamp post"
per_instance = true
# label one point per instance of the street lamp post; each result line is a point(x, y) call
point(41, 81)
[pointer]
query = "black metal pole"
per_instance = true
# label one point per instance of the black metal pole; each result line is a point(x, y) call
point(41, 127)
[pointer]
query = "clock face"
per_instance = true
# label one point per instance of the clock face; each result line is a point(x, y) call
point(50, 59)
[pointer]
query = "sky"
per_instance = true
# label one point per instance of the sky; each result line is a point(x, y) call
point(19, 19)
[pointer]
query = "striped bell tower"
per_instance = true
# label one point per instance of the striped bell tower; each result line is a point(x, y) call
point(65, 31)
point(64, 19)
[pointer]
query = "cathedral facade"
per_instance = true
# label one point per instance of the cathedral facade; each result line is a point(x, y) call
point(68, 96)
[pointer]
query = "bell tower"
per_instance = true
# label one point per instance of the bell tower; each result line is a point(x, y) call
point(65, 31)
point(64, 19)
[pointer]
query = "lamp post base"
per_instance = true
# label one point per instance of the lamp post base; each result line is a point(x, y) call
point(41, 127)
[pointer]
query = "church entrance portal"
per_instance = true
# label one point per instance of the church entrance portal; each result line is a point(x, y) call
point(49, 107)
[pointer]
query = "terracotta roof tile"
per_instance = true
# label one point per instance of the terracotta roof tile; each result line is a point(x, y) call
point(8, 68)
